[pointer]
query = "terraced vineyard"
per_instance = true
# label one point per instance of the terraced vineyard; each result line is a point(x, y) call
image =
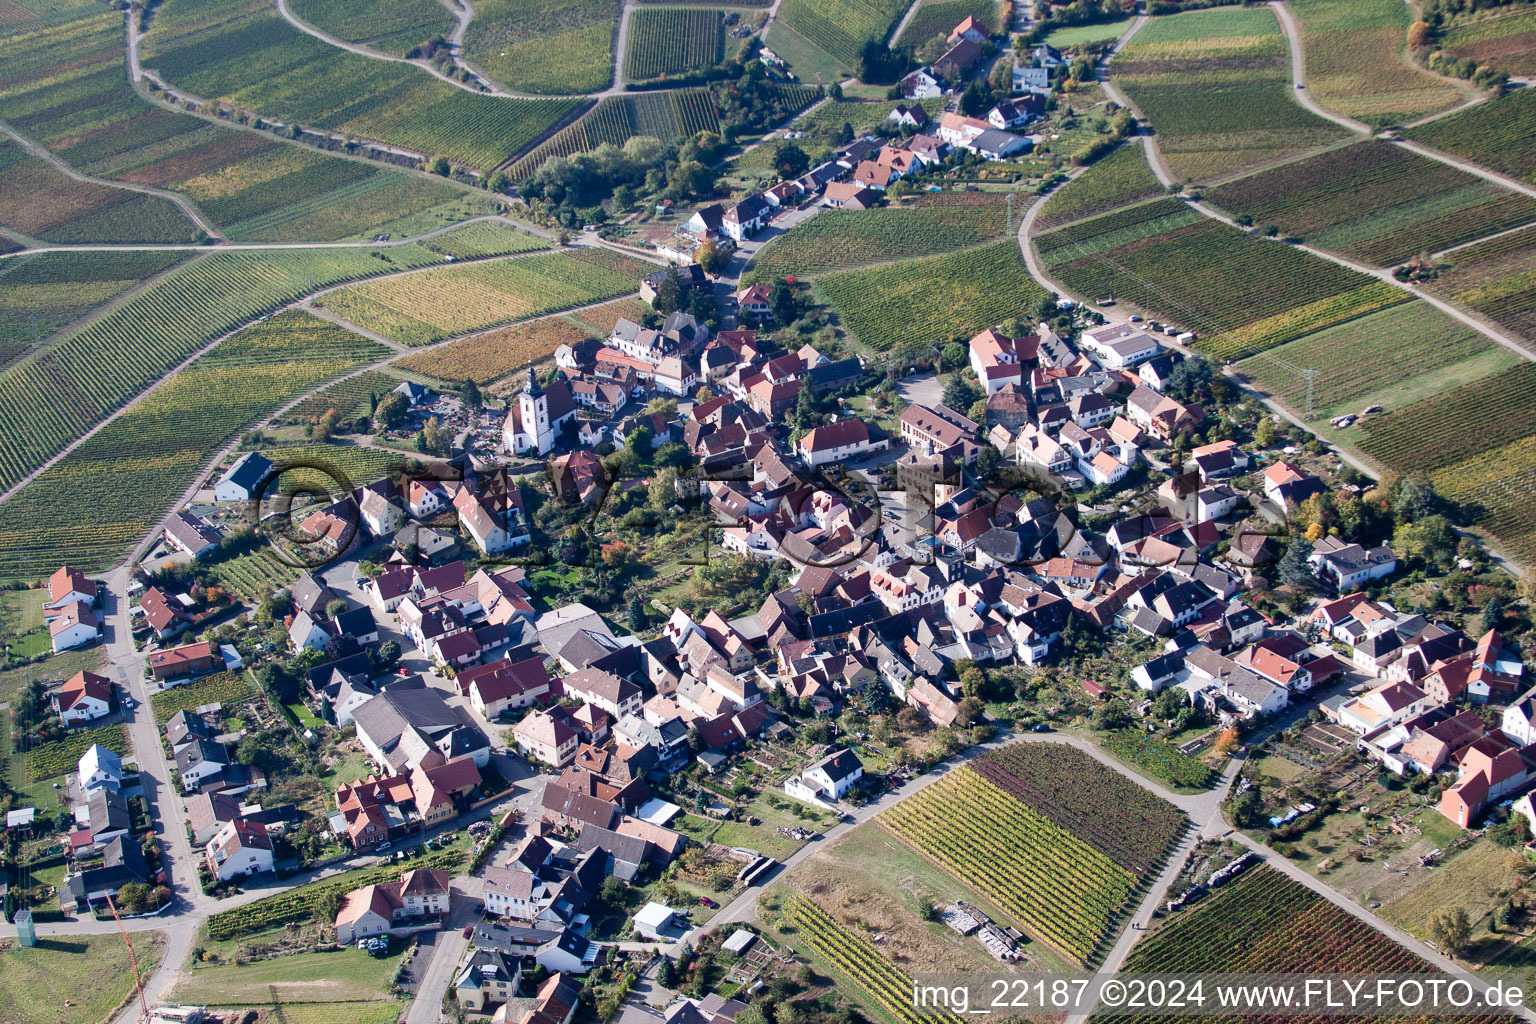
point(258, 62)
point(886, 984)
point(1240, 292)
point(673, 42)
point(674, 114)
point(1453, 426)
point(1129, 824)
point(1497, 278)
point(41, 293)
point(544, 46)
point(351, 397)
point(938, 17)
point(487, 357)
point(1490, 134)
point(416, 309)
point(395, 27)
point(1496, 490)
point(67, 88)
point(840, 26)
point(1376, 202)
point(915, 301)
point(1064, 891)
point(230, 689)
point(109, 491)
point(1382, 358)
point(837, 239)
point(1503, 39)
point(39, 200)
point(49, 400)
point(1355, 64)
point(1215, 85)
point(487, 238)
point(1262, 922)
point(599, 320)
point(1120, 178)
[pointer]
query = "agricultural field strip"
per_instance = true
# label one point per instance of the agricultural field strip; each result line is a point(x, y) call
point(184, 204)
point(299, 303)
point(239, 246)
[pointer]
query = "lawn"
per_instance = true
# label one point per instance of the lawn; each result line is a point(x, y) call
point(349, 975)
point(59, 667)
point(78, 979)
point(1476, 880)
point(810, 62)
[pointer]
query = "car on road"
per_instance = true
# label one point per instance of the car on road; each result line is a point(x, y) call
point(1041, 727)
point(469, 930)
point(384, 846)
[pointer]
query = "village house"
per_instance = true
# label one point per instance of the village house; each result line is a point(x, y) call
point(542, 737)
point(241, 847)
point(243, 480)
point(381, 908)
point(828, 780)
point(83, 697)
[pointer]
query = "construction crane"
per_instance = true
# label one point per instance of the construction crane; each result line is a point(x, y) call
point(133, 960)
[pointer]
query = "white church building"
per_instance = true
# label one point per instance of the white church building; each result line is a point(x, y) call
point(534, 421)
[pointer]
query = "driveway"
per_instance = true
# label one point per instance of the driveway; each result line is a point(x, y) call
point(923, 389)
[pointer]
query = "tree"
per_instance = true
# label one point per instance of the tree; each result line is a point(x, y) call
point(326, 425)
point(1418, 33)
point(433, 439)
point(636, 614)
point(469, 392)
point(1227, 741)
point(336, 607)
point(1414, 499)
point(958, 392)
point(498, 182)
point(439, 165)
point(1451, 928)
point(32, 706)
point(844, 134)
point(877, 64)
point(785, 306)
point(638, 443)
point(391, 409)
point(1190, 377)
point(709, 257)
point(954, 354)
point(976, 100)
point(1111, 715)
point(1294, 566)
point(1493, 614)
point(790, 160)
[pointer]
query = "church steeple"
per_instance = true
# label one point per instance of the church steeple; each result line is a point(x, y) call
point(531, 388)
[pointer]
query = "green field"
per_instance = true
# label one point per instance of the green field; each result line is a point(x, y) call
point(1215, 85)
point(416, 309)
point(673, 41)
point(837, 239)
point(1078, 35)
point(1376, 202)
point(1391, 358)
point(1355, 64)
point(840, 27)
point(49, 399)
point(1121, 177)
point(1491, 134)
point(104, 495)
point(939, 17)
point(809, 62)
point(252, 186)
point(42, 292)
point(39, 200)
point(345, 976)
point(916, 301)
point(94, 969)
point(394, 26)
point(258, 62)
point(544, 46)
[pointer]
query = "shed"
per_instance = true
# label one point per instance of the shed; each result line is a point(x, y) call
point(740, 941)
point(652, 918)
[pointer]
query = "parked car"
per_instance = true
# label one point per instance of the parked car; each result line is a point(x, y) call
point(705, 901)
point(469, 930)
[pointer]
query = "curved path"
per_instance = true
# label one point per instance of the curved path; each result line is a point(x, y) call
point(182, 202)
point(368, 51)
point(1292, 29)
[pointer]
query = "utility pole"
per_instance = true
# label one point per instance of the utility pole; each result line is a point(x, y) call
point(1311, 376)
